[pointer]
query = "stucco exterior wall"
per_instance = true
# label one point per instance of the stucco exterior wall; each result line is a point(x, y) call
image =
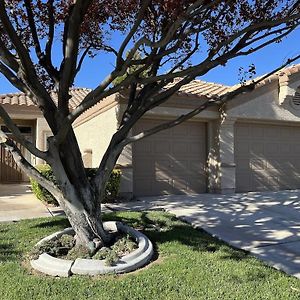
point(263, 105)
point(96, 133)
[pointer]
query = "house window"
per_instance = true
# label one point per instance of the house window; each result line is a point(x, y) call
point(26, 130)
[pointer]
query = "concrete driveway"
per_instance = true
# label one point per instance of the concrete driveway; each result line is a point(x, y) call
point(18, 202)
point(266, 224)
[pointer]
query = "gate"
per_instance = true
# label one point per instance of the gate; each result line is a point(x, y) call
point(10, 172)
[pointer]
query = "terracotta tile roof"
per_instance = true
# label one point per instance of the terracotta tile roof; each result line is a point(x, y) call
point(77, 94)
point(196, 88)
point(201, 88)
point(20, 99)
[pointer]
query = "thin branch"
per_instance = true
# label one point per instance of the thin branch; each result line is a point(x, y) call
point(216, 101)
point(71, 47)
point(139, 19)
point(30, 170)
point(84, 54)
point(27, 71)
point(13, 79)
point(49, 43)
point(8, 58)
point(33, 30)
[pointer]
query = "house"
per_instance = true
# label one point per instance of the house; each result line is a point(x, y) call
point(32, 125)
point(251, 144)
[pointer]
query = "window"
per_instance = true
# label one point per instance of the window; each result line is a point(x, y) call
point(26, 130)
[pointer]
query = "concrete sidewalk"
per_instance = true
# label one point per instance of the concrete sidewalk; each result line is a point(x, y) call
point(18, 202)
point(265, 224)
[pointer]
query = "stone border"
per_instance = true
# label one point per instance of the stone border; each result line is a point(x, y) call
point(60, 267)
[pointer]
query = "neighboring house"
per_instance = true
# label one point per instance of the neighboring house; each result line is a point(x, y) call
point(251, 144)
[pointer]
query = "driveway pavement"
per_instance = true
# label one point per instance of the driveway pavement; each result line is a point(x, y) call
point(18, 202)
point(265, 224)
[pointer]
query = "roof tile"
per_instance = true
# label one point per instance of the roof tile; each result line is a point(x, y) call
point(196, 88)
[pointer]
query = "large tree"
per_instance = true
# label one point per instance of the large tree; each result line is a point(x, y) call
point(186, 37)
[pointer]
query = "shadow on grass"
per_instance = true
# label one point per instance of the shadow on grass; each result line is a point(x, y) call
point(163, 228)
point(8, 252)
point(159, 227)
point(62, 222)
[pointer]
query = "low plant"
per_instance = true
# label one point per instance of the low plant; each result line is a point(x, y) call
point(78, 252)
point(56, 247)
point(40, 192)
point(124, 245)
point(111, 189)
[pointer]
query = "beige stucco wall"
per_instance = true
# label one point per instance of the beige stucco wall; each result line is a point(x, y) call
point(96, 133)
point(263, 105)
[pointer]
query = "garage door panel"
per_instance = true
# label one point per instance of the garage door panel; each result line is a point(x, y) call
point(162, 175)
point(145, 147)
point(257, 148)
point(243, 149)
point(181, 131)
point(142, 165)
point(164, 187)
point(181, 148)
point(272, 154)
point(242, 132)
point(272, 149)
point(161, 147)
point(197, 166)
point(257, 164)
point(244, 165)
point(285, 149)
point(178, 160)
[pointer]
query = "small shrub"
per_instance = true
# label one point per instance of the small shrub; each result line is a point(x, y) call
point(102, 253)
point(124, 245)
point(121, 247)
point(78, 252)
point(67, 241)
point(112, 258)
point(56, 247)
point(111, 190)
point(40, 192)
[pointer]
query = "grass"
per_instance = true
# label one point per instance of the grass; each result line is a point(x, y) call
point(190, 265)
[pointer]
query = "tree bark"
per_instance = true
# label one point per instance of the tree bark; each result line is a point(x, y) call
point(88, 225)
point(80, 199)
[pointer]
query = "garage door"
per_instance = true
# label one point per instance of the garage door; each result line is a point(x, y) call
point(170, 162)
point(267, 157)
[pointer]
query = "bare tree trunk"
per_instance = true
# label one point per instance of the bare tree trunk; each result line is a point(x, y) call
point(88, 226)
point(80, 199)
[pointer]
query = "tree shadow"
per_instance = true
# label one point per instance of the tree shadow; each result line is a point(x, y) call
point(167, 228)
point(8, 252)
point(62, 222)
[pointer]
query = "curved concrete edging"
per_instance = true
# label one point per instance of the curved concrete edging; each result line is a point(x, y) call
point(59, 267)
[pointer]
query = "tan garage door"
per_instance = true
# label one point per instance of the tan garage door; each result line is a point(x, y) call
point(170, 162)
point(267, 157)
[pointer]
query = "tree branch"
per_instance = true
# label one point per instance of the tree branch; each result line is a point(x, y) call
point(71, 47)
point(27, 71)
point(13, 79)
point(19, 137)
point(30, 170)
point(216, 101)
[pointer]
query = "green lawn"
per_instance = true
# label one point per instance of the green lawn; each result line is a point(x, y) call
point(190, 265)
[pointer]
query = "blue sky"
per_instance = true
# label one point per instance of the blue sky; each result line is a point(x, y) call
point(265, 60)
